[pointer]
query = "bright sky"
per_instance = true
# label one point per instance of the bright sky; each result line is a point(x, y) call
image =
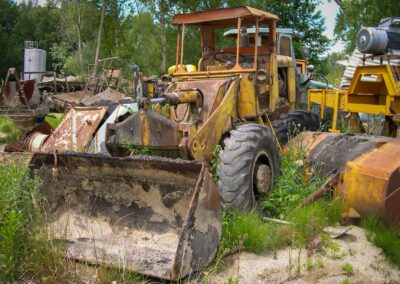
point(329, 10)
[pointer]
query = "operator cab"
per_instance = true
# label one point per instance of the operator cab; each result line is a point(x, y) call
point(284, 42)
point(220, 54)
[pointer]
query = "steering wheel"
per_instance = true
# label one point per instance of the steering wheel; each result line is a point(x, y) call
point(226, 57)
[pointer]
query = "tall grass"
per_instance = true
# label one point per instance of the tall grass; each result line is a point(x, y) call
point(246, 231)
point(382, 236)
point(26, 251)
point(18, 202)
point(293, 186)
point(310, 221)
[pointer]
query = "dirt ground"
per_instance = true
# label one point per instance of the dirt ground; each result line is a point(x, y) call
point(299, 266)
point(285, 266)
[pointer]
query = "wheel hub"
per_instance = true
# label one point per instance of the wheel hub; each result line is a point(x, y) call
point(263, 178)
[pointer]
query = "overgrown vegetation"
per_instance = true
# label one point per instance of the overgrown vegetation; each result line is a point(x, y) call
point(348, 269)
point(132, 31)
point(161, 109)
point(301, 226)
point(246, 231)
point(107, 275)
point(215, 162)
point(8, 131)
point(292, 187)
point(25, 250)
point(382, 236)
point(133, 151)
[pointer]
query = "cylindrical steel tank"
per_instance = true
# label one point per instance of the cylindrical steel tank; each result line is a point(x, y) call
point(34, 61)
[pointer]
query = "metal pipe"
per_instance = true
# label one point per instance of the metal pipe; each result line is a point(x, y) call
point(239, 24)
point(182, 44)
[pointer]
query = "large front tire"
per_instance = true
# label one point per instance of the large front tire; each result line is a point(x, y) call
point(248, 165)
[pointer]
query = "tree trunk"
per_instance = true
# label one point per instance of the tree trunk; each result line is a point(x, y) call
point(80, 53)
point(163, 37)
point(103, 11)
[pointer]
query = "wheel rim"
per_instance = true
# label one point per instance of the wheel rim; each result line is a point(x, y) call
point(262, 173)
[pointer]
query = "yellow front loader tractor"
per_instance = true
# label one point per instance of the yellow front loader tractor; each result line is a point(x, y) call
point(160, 213)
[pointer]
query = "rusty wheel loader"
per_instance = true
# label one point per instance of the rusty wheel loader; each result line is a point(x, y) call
point(230, 100)
point(160, 215)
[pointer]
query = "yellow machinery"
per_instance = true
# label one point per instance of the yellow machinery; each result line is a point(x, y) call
point(373, 90)
point(366, 171)
point(367, 167)
point(159, 215)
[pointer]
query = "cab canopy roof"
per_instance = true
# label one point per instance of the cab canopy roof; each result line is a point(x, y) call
point(224, 17)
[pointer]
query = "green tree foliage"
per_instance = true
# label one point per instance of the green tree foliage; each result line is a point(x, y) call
point(335, 70)
point(133, 31)
point(25, 22)
point(357, 13)
point(8, 19)
point(300, 16)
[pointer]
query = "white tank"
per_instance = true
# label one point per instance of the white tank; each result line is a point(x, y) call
point(34, 61)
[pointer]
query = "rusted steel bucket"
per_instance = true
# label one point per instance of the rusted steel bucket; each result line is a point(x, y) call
point(160, 217)
point(369, 167)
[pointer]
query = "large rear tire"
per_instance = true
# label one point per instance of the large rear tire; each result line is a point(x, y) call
point(291, 123)
point(248, 165)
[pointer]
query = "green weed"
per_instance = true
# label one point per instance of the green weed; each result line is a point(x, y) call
point(309, 264)
point(109, 275)
point(382, 236)
point(233, 281)
point(320, 263)
point(25, 249)
point(161, 109)
point(345, 281)
point(18, 195)
point(245, 231)
point(133, 150)
point(215, 162)
point(310, 221)
point(348, 269)
point(8, 130)
point(292, 187)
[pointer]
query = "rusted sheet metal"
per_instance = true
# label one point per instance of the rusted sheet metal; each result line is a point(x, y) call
point(76, 130)
point(157, 216)
point(330, 152)
point(108, 94)
point(210, 89)
point(72, 98)
point(369, 169)
point(98, 144)
point(225, 15)
point(10, 92)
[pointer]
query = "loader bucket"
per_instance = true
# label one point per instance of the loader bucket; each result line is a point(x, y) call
point(156, 216)
point(369, 166)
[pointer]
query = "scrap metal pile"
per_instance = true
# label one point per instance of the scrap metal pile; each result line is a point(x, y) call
point(128, 181)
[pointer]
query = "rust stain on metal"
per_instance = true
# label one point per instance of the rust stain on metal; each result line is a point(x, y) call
point(76, 130)
point(369, 181)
